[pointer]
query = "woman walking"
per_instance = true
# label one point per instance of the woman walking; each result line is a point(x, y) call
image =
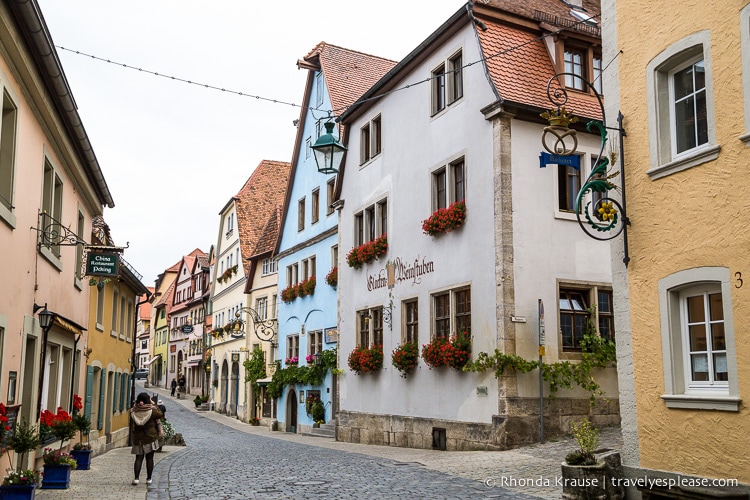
point(144, 429)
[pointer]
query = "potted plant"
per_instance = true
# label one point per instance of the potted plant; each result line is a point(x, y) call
point(81, 451)
point(405, 358)
point(23, 438)
point(57, 467)
point(584, 476)
point(318, 413)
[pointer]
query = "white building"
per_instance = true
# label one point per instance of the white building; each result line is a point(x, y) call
point(468, 127)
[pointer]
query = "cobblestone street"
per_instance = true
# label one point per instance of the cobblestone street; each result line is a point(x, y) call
point(226, 458)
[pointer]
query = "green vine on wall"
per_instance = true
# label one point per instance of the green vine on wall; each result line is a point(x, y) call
point(255, 368)
point(596, 352)
point(305, 375)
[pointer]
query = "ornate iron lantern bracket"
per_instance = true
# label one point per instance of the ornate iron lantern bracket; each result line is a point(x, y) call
point(265, 329)
point(601, 217)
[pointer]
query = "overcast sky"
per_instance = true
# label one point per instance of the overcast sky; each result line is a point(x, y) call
point(173, 154)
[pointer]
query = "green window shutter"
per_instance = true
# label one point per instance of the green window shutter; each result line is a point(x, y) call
point(89, 389)
point(102, 385)
point(116, 389)
point(123, 392)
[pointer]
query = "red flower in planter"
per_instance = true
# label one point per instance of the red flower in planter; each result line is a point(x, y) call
point(367, 252)
point(444, 220)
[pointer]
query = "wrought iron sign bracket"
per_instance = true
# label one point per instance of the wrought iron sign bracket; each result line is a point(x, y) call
point(601, 217)
point(264, 328)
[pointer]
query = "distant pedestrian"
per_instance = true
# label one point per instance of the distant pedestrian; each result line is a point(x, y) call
point(144, 429)
point(173, 386)
point(181, 383)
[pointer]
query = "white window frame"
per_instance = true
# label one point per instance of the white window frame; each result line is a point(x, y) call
point(678, 392)
point(261, 307)
point(315, 206)
point(664, 160)
point(269, 266)
point(315, 342)
point(330, 188)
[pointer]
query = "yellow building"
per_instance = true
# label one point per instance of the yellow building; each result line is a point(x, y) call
point(682, 72)
point(113, 310)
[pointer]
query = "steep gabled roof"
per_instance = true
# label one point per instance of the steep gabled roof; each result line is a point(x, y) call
point(256, 201)
point(348, 74)
point(265, 245)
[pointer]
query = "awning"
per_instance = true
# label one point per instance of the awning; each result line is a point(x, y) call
point(193, 362)
point(264, 381)
point(148, 363)
point(67, 324)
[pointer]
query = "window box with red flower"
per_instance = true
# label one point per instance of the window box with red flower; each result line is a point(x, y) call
point(298, 290)
point(444, 352)
point(332, 278)
point(366, 253)
point(444, 220)
point(405, 357)
point(366, 359)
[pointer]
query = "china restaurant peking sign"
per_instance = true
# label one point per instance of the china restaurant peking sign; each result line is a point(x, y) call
point(399, 271)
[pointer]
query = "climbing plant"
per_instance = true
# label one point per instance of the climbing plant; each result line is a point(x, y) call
point(596, 352)
point(255, 367)
point(306, 375)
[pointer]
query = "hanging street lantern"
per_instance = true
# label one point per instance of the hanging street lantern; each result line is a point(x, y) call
point(328, 151)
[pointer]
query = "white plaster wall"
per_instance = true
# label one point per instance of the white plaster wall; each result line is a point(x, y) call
point(548, 246)
point(414, 144)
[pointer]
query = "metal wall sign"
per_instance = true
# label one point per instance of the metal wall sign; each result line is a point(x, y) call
point(102, 264)
point(187, 328)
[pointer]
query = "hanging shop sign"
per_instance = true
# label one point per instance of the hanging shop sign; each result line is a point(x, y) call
point(102, 264)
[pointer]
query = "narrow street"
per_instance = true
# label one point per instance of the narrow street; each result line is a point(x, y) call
point(225, 458)
point(223, 462)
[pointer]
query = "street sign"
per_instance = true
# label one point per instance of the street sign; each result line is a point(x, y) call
point(102, 264)
point(187, 328)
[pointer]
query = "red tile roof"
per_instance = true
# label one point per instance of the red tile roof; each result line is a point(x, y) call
point(348, 73)
point(257, 201)
point(518, 60)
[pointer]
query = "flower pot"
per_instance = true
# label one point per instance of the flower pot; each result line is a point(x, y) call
point(584, 482)
point(56, 477)
point(18, 492)
point(82, 458)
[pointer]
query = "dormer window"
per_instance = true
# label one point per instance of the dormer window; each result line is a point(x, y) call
point(582, 64)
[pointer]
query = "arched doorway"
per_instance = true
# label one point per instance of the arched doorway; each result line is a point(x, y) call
point(235, 389)
point(291, 411)
point(224, 387)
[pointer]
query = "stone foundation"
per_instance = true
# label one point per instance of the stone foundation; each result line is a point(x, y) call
point(517, 427)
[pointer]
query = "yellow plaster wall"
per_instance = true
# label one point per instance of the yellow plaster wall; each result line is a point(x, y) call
point(689, 219)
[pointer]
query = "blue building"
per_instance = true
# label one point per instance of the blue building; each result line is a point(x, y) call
point(307, 247)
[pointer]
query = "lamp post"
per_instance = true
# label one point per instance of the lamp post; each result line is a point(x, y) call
point(46, 319)
point(328, 151)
